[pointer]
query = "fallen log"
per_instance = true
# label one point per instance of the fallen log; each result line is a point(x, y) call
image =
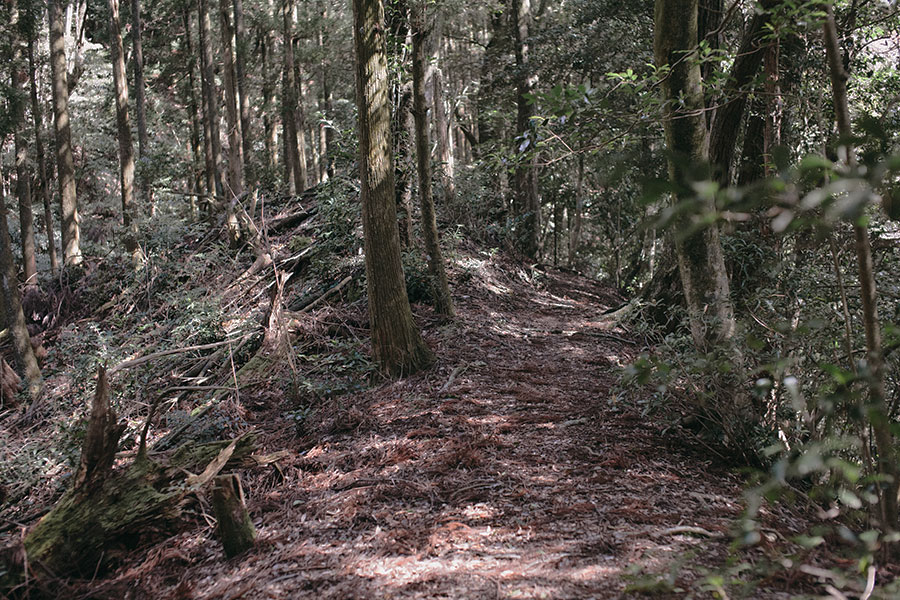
point(107, 510)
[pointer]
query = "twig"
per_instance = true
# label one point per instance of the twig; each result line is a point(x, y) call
point(128, 364)
point(459, 369)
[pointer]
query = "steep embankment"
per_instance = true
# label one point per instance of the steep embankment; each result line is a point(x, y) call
point(506, 471)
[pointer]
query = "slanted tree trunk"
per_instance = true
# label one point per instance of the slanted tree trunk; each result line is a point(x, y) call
point(526, 199)
point(397, 345)
point(730, 112)
point(20, 133)
point(123, 132)
point(11, 302)
point(294, 173)
point(64, 156)
point(877, 409)
point(43, 177)
point(443, 302)
point(144, 185)
point(700, 258)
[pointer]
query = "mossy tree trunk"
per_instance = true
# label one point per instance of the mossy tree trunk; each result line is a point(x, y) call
point(398, 346)
point(701, 262)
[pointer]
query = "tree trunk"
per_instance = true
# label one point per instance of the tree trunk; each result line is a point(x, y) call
point(731, 110)
point(43, 176)
point(123, 129)
point(140, 103)
point(215, 178)
point(241, 73)
point(232, 109)
point(20, 132)
point(526, 200)
point(443, 302)
point(193, 108)
point(293, 175)
point(700, 258)
point(267, 46)
point(11, 302)
point(64, 157)
point(300, 112)
point(877, 410)
point(398, 346)
point(578, 216)
point(442, 131)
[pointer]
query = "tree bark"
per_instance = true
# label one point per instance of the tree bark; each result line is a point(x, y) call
point(300, 112)
point(700, 259)
point(20, 132)
point(397, 344)
point(123, 132)
point(443, 302)
point(64, 156)
point(43, 176)
point(877, 410)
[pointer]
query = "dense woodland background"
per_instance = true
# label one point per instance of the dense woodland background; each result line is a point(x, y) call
point(237, 228)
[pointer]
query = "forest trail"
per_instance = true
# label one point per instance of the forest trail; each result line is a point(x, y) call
point(503, 472)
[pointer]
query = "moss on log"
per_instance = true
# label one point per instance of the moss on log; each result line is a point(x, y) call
point(91, 526)
point(235, 528)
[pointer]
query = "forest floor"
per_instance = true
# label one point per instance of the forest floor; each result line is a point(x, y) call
point(508, 470)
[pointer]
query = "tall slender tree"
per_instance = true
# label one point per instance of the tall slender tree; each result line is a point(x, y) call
point(443, 302)
point(294, 169)
point(140, 102)
point(877, 409)
point(526, 201)
point(240, 65)
point(397, 345)
point(123, 133)
point(65, 159)
point(215, 177)
point(20, 139)
point(43, 178)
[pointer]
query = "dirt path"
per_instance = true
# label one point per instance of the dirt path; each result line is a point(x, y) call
point(504, 472)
